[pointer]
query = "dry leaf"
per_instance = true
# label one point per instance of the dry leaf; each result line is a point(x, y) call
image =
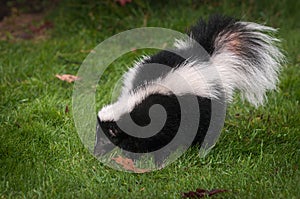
point(128, 165)
point(67, 77)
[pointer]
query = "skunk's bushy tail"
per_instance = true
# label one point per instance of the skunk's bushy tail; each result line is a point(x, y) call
point(245, 54)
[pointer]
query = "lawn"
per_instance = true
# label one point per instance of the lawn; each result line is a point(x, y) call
point(41, 155)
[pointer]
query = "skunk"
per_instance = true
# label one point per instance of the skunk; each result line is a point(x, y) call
point(245, 55)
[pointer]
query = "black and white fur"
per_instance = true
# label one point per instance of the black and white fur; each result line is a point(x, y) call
point(245, 55)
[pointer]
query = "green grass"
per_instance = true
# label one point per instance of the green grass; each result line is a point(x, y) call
point(41, 155)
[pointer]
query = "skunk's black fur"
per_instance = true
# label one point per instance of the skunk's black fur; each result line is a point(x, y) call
point(140, 116)
point(246, 58)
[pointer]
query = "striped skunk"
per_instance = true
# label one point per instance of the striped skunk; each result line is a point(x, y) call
point(245, 56)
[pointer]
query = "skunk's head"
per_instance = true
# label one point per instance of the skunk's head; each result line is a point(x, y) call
point(145, 120)
point(156, 103)
point(147, 123)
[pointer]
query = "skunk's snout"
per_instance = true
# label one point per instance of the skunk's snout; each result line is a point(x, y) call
point(133, 131)
point(119, 133)
point(103, 144)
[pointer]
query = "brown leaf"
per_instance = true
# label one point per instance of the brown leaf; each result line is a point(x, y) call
point(67, 77)
point(128, 164)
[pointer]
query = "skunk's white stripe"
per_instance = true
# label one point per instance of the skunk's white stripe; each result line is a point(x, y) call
point(184, 44)
point(131, 74)
point(187, 79)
